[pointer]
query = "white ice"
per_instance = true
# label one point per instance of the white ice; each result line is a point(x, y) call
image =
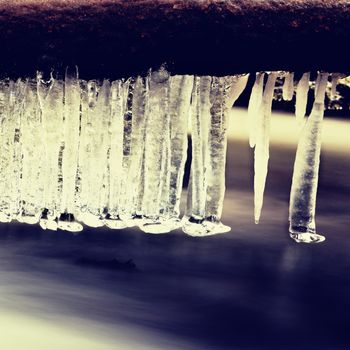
point(301, 97)
point(114, 153)
point(254, 106)
point(335, 80)
point(288, 86)
point(261, 151)
point(305, 175)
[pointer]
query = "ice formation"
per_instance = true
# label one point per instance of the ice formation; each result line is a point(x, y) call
point(108, 153)
point(301, 97)
point(254, 106)
point(305, 176)
point(288, 86)
point(261, 151)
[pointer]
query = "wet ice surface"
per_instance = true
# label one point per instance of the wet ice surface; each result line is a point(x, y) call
point(252, 288)
point(302, 207)
point(113, 153)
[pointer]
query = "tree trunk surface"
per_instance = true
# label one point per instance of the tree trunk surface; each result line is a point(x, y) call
point(118, 38)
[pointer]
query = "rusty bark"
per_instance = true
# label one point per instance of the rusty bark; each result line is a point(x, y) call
point(114, 38)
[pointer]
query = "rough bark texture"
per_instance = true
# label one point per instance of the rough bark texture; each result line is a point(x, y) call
point(113, 38)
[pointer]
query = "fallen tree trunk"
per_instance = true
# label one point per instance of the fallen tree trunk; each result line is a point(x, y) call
point(114, 38)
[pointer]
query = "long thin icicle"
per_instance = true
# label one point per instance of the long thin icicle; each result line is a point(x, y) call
point(288, 86)
point(135, 177)
point(50, 96)
point(70, 149)
point(212, 99)
point(335, 80)
point(125, 204)
point(200, 118)
point(301, 97)
point(7, 131)
point(237, 85)
point(305, 176)
point(261, 152)
point(93, 153)
point(115, 154)
point(17, 104)
point(216, 160)
point(254, 107)
point(179, 104)
point(156, 132)
point(30, 184)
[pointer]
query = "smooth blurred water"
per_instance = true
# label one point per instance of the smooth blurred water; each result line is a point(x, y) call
point(252, 288)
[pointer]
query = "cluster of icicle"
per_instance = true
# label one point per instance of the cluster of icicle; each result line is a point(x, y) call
point(306, 167)
point(114, 153)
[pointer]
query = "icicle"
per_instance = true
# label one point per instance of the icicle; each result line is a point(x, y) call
point(301, 97)
point(261, 153)
point(157, 116)
point(305, 175)
point(93, 153)
point(115, 153)
point(17, 107)
point(135, 177)
point(102, 150)
point(211, 100)
point(7, 132)
point(288, 86)
point(70, 147)
point(125, 203)
point(200, 118)
point(216, 160)
point(30, 185)
point(165, 168)
point(254, 107)
point(238, 84)
point(179, 105)
point(50, 95)
point(317, 83)
point(88, 102)
point(335, 79)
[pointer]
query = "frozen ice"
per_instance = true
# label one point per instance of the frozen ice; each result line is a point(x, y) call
point(31, 186)
point(200, 117)
point(156, 152)
point(254, 106)
point(115, 174)
point(305, 176)
point(335, 80)
point(113, 153)
point(288, 86)
point(50, 96)
point(7, 155)
point(70, 147)
point(301, 97)
point(237, 86)
point(261, 151)
point(211, 99)
point(179, 107)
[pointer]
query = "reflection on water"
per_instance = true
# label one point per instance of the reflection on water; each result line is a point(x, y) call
point(250, 289)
